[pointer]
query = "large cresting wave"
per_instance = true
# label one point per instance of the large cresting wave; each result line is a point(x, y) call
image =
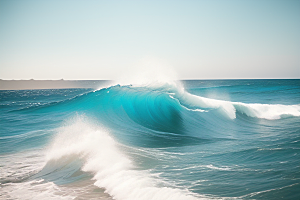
point(202, 104)
point(156, 101)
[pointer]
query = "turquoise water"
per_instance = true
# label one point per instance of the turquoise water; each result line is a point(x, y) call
point(212, 139)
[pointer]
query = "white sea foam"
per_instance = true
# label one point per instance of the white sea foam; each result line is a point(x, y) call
point(264, 111)
point(267, 111)
point(196, 102)
point(34, 190)
point(17, 168)
point(113, 170)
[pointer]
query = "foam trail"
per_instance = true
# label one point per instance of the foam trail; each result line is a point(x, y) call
point(112, 169)
point(267, 111)
point(35, 190)
point(15, 182)
point(264, 111)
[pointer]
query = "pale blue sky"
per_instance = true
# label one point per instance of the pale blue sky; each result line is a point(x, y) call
point(74, 39)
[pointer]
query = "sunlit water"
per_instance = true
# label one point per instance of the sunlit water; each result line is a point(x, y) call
point(184, 140)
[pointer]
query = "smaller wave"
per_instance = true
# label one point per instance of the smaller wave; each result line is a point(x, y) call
point(264, 111)
point(112, 168)
point(267, 111)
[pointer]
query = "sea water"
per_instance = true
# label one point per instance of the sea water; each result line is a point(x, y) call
point(200, 139)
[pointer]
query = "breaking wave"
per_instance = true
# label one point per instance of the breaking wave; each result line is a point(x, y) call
point(106, 159)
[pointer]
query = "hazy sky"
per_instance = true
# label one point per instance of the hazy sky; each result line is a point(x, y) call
point(104, 39)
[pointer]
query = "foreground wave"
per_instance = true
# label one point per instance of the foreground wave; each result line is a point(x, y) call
point(111, 167)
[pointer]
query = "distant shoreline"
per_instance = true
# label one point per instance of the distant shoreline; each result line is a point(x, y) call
point(50, 84)
point(68, 84)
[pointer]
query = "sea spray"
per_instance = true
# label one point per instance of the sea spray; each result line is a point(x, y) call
point(113, 170)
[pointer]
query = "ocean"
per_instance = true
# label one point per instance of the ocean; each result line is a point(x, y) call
point(196, 139)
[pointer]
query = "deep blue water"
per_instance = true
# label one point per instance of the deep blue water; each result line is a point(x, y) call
point(211, 139)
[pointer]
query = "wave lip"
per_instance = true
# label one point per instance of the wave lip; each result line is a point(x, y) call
point(199, 103)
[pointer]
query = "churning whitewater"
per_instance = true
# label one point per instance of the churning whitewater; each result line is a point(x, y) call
point(214, 139)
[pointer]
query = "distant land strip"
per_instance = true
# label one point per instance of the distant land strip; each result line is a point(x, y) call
point(50, 84)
